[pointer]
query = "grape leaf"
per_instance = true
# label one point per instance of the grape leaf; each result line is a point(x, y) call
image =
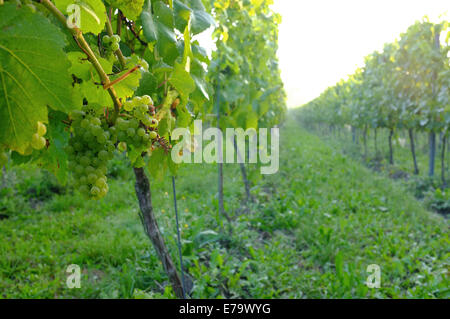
point(55, 158)
point(81, 68)
point(147, 85)
point(33, 74)
point(126, 87)
point(92, 13)
point(94, 94)
point(182, 81)
point(159, 27)
point(200, 19)
point(158, 163)
point(130, 8)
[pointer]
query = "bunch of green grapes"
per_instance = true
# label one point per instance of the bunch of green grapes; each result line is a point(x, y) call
point(111, 44)
point(91, 146)
point(38, 140)
point(137, 130)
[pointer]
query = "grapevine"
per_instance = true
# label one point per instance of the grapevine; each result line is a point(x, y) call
point(119, 78)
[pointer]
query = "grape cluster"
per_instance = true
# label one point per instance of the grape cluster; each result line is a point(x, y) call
point(137, 131)
point(90, 148)
point(38, 140)
point(111, 43)
point(94, 140)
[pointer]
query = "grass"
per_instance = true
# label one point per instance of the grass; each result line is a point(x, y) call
point(311, 233)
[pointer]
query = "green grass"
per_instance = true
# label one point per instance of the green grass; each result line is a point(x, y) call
point(311, 233)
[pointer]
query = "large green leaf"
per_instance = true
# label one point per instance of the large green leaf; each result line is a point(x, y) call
point(130, 8)
point(200, 19)
point(158, 163)
point(126, 87)
point(159, 27)
point(33, 74)
point(182, 81)
point(147, 85)
point(55, 158)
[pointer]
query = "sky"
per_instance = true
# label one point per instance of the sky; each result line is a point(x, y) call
point(323, 41)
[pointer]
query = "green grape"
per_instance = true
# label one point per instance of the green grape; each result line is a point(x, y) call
point(103, 155)
point(106, 39)
point(116, 38)
point(84, 189)
point(79, 169)
point(95, 161)
point(96, 131)
point(83, 180)
point(128, 105)
point(141, 109)
point(122, 124)
point(155, 122)
point(95, 191)
point(85, 160)
point(89, 169)
point(103, 192)
point(147, 120)
point(38, 142)
point(122, 146)
point(115, 46)
point(101, 139)
point(85, 123)
point(92, 178)
point(96, 121)
point(140, 132)
point(147, 100)
point(41, 129)
point(153, 135)
point(131, 132)
point(134, 123)
point(100, 183)
point(146, 138)
point(137, 101)
point(110, 148)
point(102, 169)
point(137, 140)
point(106, 135)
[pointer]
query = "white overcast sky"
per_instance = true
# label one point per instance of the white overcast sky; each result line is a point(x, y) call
point(322, 41)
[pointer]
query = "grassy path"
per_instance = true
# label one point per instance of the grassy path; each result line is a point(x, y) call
point(314, 229)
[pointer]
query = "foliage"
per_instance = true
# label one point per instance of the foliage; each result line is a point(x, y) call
point(244, 68)
point(404, 86)
point(94, 72)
